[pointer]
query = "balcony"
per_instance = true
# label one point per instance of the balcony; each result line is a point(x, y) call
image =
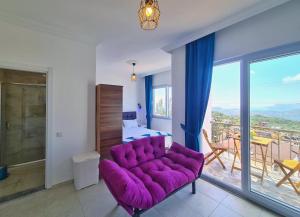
point(265, 172)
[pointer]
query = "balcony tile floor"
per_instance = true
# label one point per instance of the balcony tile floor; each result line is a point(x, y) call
point(268, 187)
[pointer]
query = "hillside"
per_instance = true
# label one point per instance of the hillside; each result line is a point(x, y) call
point(282, 111)
point(256, 120)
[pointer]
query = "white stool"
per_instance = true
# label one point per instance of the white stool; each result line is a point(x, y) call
point(85, 169)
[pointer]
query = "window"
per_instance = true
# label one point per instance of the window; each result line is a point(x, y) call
point(162, 102)
point(170, 101)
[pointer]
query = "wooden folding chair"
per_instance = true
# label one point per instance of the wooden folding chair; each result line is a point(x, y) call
point(289, 168)
point(237, 154)
point(216, 151)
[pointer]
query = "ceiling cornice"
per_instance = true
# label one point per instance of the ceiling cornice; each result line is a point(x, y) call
point(55, 30)
point(250, 12)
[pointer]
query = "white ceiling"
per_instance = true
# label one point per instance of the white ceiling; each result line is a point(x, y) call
point(113, 25)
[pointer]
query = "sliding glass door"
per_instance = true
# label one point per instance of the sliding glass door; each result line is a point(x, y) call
point(275, 128)
point(253, 128)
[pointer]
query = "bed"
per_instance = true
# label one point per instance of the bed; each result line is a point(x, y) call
point(136, 131)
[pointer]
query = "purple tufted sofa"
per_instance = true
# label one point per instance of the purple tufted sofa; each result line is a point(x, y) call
point(143, 173)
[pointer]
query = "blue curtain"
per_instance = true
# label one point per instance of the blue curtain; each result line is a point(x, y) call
point(198, 75)
point(148, 93)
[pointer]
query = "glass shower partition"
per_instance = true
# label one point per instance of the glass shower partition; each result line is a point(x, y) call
point(23, 132)
point(23, 123)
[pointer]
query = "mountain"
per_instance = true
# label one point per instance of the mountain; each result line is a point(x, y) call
point(227, 111)
point(283, 111)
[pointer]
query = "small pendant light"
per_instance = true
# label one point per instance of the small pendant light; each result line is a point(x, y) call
point(133, 75)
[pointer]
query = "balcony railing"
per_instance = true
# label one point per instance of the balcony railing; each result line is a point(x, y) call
point(285, 143)
point(265, 173)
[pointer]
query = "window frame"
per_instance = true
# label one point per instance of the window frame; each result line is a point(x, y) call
point(166, 88)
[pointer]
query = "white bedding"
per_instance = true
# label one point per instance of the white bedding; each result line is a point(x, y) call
point(133, 133)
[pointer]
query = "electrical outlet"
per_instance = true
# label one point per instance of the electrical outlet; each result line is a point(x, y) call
point(59, 134)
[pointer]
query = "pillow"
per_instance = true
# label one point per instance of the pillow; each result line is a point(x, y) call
point(130, 123)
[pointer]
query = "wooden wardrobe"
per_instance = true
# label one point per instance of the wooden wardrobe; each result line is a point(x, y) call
point(109, 103)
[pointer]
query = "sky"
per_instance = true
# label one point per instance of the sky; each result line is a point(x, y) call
point(272, 81)
point(161, 94)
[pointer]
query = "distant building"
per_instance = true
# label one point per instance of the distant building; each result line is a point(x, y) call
point(263, 124)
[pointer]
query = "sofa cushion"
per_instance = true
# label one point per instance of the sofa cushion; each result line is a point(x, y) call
point(124, 155)
point(136, 152)
point(158, 143)
point(186, 157)
point(178, 167)
point(129, 190)
point(162, 176)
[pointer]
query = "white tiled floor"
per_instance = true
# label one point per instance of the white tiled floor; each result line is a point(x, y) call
point(96, 201)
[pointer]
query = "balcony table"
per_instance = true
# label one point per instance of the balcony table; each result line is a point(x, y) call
point(262, 142)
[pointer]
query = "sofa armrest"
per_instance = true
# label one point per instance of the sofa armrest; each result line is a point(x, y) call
point(188, 158)
point(127, 189)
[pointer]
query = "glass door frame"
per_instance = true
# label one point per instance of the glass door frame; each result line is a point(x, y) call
point(245, 190)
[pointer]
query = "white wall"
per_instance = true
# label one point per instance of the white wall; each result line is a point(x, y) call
point(117, 73)
point(123, 79)
point(275, 27)
point(162, 78)
point(178, 95)
point(141, 114)
point(73, 95)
